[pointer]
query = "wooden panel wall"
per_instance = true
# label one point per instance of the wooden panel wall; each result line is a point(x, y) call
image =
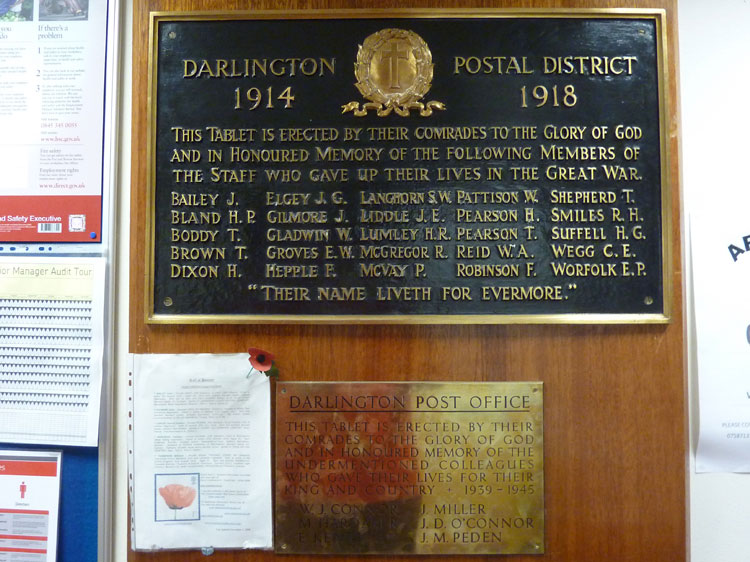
point(615, 412)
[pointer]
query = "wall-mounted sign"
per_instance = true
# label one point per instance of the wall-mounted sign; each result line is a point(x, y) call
point(409, 468)
point(52, 92)
point(481, 166)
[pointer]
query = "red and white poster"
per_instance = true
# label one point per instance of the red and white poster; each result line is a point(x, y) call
point(29, 501)
point(52, 91)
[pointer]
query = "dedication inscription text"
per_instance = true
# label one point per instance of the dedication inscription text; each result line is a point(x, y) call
point(480, 167)
point(409, 468)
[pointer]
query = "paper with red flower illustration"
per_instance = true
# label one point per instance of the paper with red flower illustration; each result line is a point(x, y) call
point(201, 459)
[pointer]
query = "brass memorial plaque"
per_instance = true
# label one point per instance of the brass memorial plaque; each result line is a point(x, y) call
point(409, 468)
point(469, 166)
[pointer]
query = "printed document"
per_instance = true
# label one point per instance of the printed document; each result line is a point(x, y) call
point(51, 334)
point(200, 453)
point(52, 93)
point(29, 500)
point(721, 272)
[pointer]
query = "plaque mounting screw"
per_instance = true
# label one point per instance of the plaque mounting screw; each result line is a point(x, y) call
point(168, 302)
point(648, 301)
point(284, 546)
point(171, 35)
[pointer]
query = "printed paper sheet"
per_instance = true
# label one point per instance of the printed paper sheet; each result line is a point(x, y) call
point(52, 67)
point(201, 453)
point(51, 333)
point(29, 501)
point(721, 270)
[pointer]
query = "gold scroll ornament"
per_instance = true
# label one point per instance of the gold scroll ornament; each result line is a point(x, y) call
point(393, 71)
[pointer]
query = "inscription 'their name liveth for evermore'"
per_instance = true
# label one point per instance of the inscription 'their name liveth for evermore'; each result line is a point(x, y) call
point(533, 187)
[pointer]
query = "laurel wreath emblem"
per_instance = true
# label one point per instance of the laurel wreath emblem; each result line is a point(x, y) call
point(394, 71)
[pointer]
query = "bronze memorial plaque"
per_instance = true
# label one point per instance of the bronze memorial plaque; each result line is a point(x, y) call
point(470, 166)
point(409, 468)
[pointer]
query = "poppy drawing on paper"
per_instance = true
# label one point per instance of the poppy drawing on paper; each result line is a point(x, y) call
point(177, 496)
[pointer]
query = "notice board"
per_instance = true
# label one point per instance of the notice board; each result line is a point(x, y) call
point(58, 112)
point(614, 404)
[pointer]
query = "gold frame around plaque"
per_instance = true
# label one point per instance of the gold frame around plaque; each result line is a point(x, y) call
point(663, 85)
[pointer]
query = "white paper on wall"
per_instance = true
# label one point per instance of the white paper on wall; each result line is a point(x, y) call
point(200, 462)
point(51, 346)
point(29, 505)
point(721, 273)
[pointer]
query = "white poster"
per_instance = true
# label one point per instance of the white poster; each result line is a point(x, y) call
point(51, 348)
point(29, 502)
point(721, 272)
point(201, 453)
point(52, 91)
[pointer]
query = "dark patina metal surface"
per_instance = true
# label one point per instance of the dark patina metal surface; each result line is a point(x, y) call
point(434, 218)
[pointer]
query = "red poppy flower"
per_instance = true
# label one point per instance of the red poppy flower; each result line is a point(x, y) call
point(177, 496)
point(260, 360)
